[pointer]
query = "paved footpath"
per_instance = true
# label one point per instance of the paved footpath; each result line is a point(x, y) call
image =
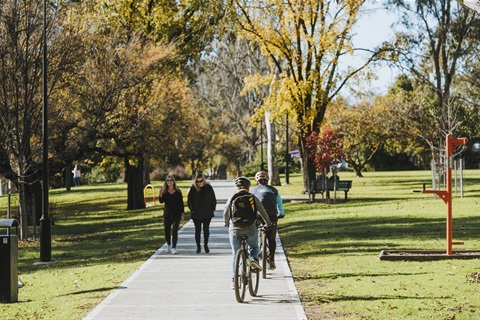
point(198, 286)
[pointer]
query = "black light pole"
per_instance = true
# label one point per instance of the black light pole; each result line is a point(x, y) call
point(45, 221)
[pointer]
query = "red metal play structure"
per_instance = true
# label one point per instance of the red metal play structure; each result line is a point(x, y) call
point(446, 195)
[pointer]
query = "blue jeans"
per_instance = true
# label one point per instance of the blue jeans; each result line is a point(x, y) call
point(236, 242)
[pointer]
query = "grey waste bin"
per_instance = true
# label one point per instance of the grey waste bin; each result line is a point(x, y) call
point(8, 261)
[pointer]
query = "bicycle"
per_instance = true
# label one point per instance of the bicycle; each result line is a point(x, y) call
point(263, 250)
point(244, 275)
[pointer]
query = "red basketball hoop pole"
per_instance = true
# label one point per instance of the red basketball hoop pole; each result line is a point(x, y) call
point(446, 195)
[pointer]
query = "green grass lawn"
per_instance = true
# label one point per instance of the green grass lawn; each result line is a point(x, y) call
point(333, 251)
point(96, 243)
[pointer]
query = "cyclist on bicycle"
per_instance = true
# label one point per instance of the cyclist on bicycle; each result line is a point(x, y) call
point(247, 228)
point(272, 202)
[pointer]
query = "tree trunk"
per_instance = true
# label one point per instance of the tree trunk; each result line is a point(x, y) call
point(272, 152)
point(134, 178)
point(192, 166)
point(146, 172)
point(33, 200)
point(309, 171)
point(67, 176)
point(30, 194)
point(23, 211)
point(358, 171)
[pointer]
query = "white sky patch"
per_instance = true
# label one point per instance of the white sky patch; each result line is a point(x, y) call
point(373, 28)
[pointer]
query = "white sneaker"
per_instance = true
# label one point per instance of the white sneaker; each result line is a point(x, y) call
point(174, 251)
point(169, 249)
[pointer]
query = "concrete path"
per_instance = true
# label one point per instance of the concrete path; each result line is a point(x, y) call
point(198, 286)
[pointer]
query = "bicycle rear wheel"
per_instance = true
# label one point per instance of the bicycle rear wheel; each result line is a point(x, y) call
point(240, 279)
point(264, 254)
point(254, 280)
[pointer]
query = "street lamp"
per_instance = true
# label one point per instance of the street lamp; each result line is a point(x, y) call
point(45, 220)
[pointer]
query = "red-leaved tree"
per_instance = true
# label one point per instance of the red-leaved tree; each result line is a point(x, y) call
point(326, 150)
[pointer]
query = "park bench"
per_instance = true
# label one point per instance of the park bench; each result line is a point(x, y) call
point(320, 186)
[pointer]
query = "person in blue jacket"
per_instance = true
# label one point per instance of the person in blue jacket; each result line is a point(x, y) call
point(273, 204)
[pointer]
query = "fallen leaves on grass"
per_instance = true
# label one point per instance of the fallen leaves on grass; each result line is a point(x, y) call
point(474, 277)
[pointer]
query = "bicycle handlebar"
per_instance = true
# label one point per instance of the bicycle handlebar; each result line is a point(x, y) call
point(264, 227)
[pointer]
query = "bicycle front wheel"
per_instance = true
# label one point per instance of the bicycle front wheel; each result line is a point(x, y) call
point(264, 255)
point(254, 280)
point(240, 279)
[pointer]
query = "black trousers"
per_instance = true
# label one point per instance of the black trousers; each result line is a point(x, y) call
point(171, 231)
point(198, 230)
point(272, 244)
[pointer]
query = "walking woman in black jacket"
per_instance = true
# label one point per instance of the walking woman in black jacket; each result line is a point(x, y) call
point(173, 211)
point(202, 203)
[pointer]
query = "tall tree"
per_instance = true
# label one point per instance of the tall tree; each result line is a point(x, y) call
point(442, 36)
point(21, 28)
point(308, 42)
point(125, 109)
point(195, 142)
point(220, 85)
point(190, 24)
point(128, 73)
point(368, 127)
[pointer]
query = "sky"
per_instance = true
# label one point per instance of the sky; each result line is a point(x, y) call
point(372, 29)
point(376, 27)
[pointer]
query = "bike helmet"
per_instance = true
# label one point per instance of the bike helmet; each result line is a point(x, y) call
point(243, 182)
point(261, 176)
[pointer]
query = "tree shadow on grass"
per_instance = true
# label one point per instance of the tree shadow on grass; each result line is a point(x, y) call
point(367, 235)
point(88, 291)
point(87, 207)
point(333, 276)
point(121, 238)
point(340, 298)
point(105, 188)
point(353, 202)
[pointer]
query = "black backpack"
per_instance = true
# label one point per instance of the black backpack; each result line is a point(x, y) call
point(243, 209)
